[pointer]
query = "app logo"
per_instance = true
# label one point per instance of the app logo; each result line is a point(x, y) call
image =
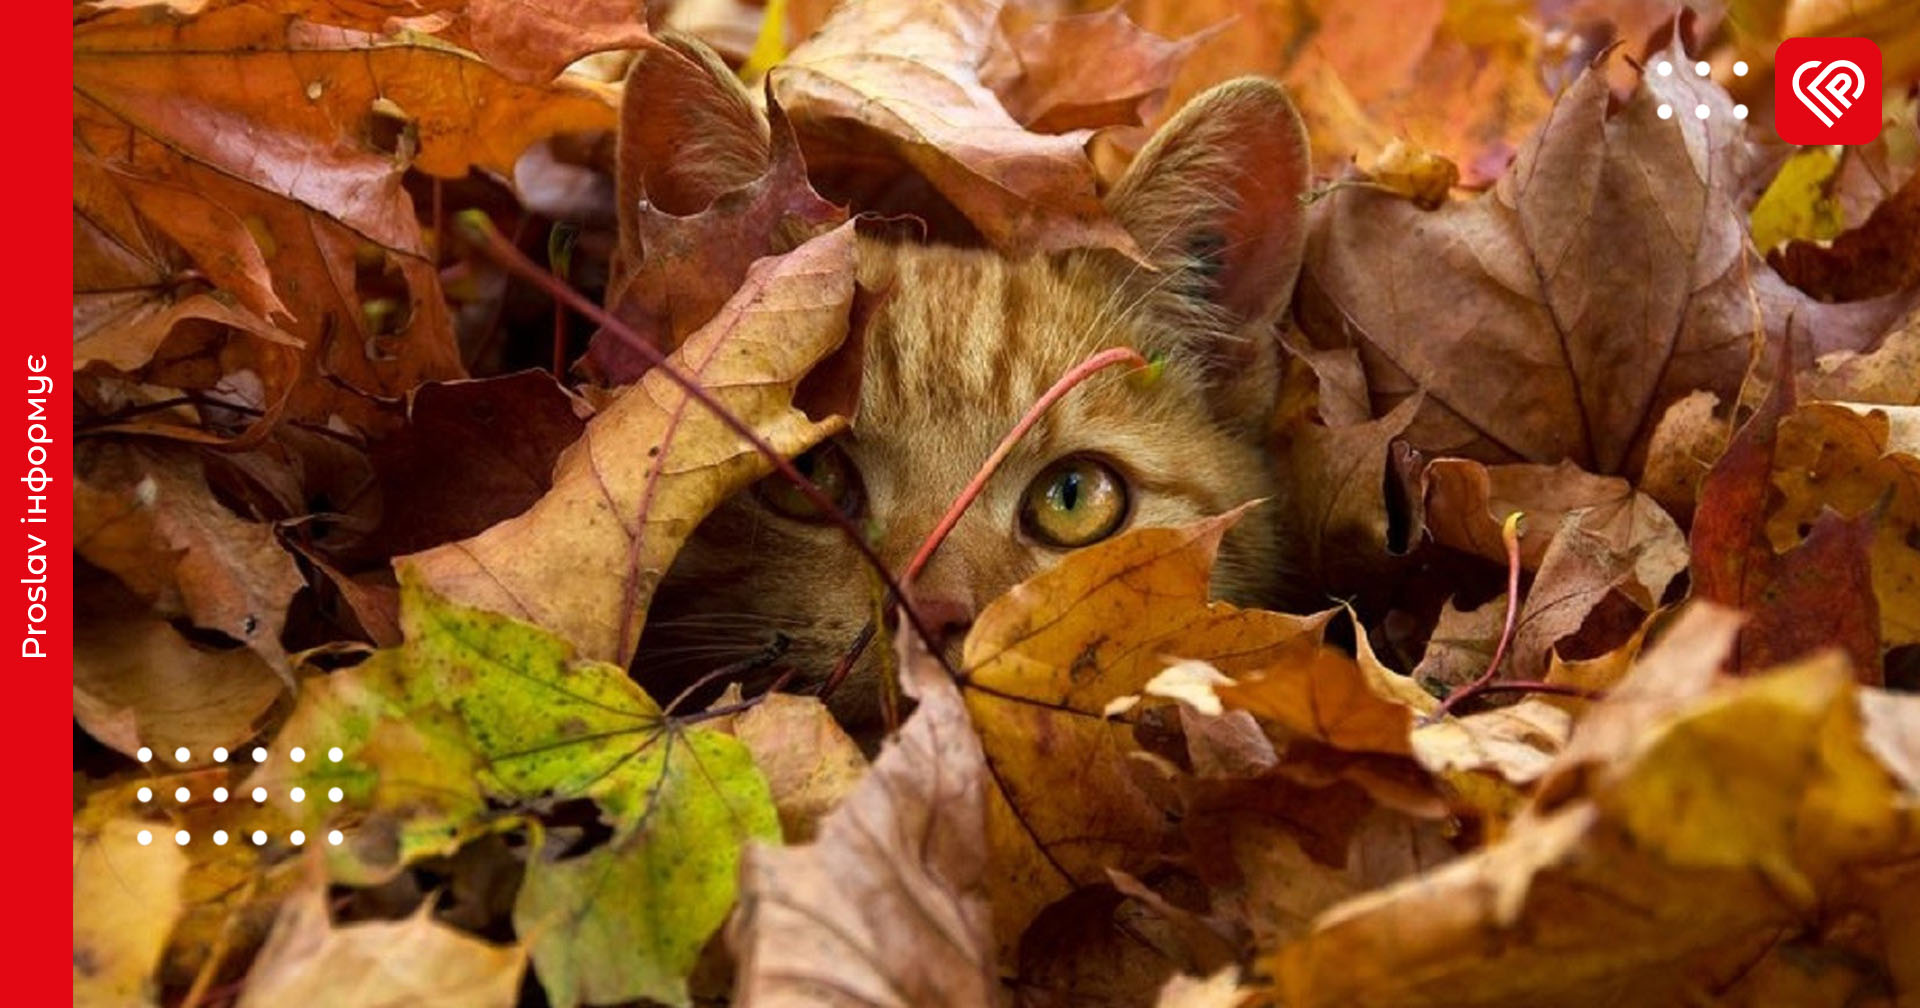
point(1827, 90)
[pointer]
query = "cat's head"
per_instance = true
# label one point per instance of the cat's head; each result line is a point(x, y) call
point(960, 343)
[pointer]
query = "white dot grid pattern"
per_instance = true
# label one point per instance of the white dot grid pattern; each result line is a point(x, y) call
point(1665, 69)
point(183, 794)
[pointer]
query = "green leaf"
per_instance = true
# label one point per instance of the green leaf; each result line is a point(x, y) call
point(476, 707)
point(672, 877)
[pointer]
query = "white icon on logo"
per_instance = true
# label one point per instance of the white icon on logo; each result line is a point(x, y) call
point(1828, 91)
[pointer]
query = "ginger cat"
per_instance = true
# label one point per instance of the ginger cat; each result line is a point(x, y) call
point(961, 346)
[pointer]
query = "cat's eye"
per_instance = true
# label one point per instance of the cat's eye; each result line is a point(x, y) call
point(1075, 501)
point(831, 472)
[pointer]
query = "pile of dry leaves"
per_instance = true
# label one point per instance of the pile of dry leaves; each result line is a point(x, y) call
point(332, 502)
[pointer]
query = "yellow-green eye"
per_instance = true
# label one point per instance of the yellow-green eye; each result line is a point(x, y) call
point(830, 471)
point(1073, 502)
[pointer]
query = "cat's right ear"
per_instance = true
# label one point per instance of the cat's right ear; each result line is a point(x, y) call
point(1215, 199)
point(689, 132)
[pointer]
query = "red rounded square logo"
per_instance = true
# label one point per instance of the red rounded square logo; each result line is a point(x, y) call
point(1827, 90)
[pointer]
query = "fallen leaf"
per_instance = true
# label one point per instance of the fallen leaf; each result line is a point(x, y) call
point(416, 961)
point(447, 474)
point(1817, 594)
point(1337, 508)
point(1881, 375)
point(1881, 256)
point(146, 516)
point(902, 82)
point(583, 560)
point(1088, 71)
point(887, 906)
point(810, 763)
point(1862, 460)
point(1697, 842)
point(126, 897)
point(1465, 502)
point(1513, 319)
point(1043, 662)
point(138, 682)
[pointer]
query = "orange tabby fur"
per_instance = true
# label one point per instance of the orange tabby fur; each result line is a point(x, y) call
point(964, 341)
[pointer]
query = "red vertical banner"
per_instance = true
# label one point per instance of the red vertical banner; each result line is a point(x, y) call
point(36, 373)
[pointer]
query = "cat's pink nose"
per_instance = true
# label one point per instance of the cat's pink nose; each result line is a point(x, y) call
point(945, 617)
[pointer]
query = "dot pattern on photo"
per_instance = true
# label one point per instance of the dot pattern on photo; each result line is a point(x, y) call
point(1665, 68)
point(183, 756)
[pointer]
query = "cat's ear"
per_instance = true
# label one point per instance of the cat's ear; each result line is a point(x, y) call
point(689, 131)
point(1214, 199)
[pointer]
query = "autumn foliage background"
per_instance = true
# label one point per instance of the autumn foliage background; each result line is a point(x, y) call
point(349, 481)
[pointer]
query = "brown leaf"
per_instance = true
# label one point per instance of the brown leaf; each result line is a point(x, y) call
point(1318, 692)
point(1863, 461)
point(1881, 375)
point(809, 761)
point(1088, 71)
point(1043, 665)
point(138, 682)
point(448, 473)
point(901, 82)
point(583, 560)
point(1817, 594)
point(1336, 508)
point(1715, 824)
point(1463, 80)
point(532, 43)
point(887, 906)
point(416, 961)
point(1881, 256)
point(1465, 503)
point(148, 517)
point(1536, 334)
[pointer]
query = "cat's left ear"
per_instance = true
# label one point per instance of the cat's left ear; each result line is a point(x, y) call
point(1215, 199)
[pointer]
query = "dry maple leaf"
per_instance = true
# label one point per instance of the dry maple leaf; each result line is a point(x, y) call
point(1086, 71)
point(1683, 844)
point(1817, 594)
point(584, 559)
point(1860, 459)
point(148, 517)
point(1463, 79)
point(282, 222)
point(416, 961)
point(1605, 276)
point(1044, 665)
point(902, 81)
point(887, 905)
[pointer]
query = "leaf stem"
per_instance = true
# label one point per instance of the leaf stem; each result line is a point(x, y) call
point(1066, 383)
point(1080, 373)
point(479, 228)
point(1510, 535)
